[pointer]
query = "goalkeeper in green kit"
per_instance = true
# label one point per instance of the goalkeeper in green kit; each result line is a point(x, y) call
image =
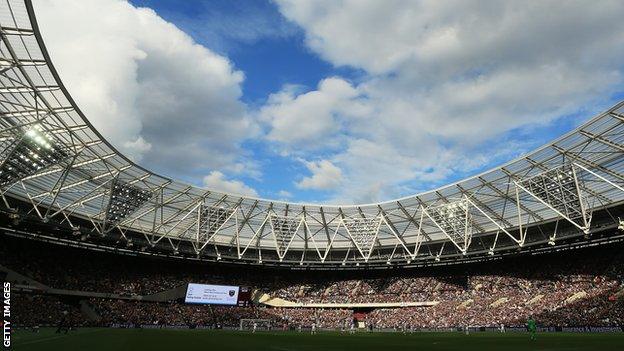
point(532, 327)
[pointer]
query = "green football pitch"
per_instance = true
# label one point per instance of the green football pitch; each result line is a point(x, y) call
point(154, 340)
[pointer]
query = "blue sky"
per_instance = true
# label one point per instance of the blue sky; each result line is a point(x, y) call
point(335, 101)
point(271, 56)
point(274, 54)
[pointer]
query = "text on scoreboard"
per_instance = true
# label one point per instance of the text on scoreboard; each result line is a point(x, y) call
point(212, 294)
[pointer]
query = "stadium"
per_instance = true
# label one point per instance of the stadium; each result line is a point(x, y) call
point(99, 252)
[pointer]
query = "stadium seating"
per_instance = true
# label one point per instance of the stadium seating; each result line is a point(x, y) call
point(573, 288)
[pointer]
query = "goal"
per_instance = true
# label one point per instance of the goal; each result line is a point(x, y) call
point(261, 324)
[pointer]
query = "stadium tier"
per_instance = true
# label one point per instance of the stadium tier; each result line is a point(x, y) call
point(89, 238)
point(571, 288)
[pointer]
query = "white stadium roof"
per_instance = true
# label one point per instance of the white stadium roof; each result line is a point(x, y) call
point(54, 160)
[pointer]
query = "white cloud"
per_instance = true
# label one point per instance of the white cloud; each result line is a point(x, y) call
point(299, 120)
point(452, 36)
point(443, 80)
point(137, 147)
point(218, 181)
point(146, 85)
point(440, 81)
point(325, 176)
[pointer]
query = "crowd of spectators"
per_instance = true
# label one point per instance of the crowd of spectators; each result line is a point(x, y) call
point(44, 310)
point(578, 287)
point(83, 270)
point(141, 313)
point(305, 317)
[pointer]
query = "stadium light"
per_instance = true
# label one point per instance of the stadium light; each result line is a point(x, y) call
point(34, 152)
point(561, 191)
point(454, 220)
point(13, 214)
point(363, 233)
point(124, 200)
point(284, 230)
point(211, 219)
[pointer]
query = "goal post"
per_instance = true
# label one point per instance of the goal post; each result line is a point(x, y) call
point(261, 324)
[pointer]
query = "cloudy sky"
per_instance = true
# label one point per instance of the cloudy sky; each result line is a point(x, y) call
point(334, 101)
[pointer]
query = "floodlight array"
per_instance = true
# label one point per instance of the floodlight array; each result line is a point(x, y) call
point(284, 229)
point(124, 200)
point(211, 219)
point(363, 232)
point(558, 188)
point(454, 219)
point(33, 152)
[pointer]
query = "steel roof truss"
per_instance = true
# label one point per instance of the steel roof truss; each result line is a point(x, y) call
point(363, 233)
point(284, 230)
point(455, 222)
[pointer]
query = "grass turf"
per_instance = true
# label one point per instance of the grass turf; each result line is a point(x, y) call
point(97, 339)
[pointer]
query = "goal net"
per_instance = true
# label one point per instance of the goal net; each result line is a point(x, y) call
point(260, 324)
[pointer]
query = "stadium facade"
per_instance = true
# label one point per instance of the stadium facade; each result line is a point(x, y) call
point(61, 181)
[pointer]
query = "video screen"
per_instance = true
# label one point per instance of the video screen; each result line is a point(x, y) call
point(212, 294)
point(244, 296)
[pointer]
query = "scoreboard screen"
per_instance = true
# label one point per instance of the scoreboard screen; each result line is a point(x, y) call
point(217, 294)
point(244, 296)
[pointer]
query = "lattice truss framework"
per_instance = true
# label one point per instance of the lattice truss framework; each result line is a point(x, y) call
point(211, 220)
point(363, 233)
point(124, 199)
point(562, 191)
point(31, 153)
point(284, 230)
point(454, 220)
point(55, 161)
